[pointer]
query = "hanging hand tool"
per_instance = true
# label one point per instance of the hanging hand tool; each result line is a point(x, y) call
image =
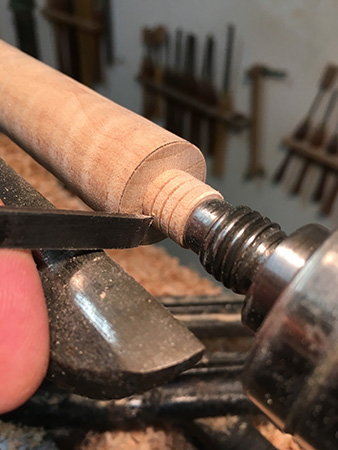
point(178, 111)
point(319, 136)
point(152, 69)
point(290, 282)
point(78, 26)
point(194, 91)
point(183, 77)
point(159, 37)
point(23, 15)
point(89, 43)
point(331, 149)
point(316, 140)
point(207, 91)
point(326, 83)
point(327, 205)
point(256, 74)
point(225, 105)
point(203, 90)
point(172, 80)
point(57, 11)
point(190, 87)
point(108, 30)
point(168, 81)
point(328, 202)
point(147, 71)
point(109, 337)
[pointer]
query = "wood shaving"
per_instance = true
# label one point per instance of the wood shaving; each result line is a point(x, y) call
point(282, 441)
point(15, 437)
point(148, 439)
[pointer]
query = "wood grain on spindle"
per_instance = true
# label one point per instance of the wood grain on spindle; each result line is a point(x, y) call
point(108, 155)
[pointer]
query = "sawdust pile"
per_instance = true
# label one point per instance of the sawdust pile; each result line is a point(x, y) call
point(148, 439)
point(13, 437)
point(37, 176)
point(159, 273)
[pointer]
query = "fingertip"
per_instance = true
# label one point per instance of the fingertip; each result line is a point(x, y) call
point(24, 333)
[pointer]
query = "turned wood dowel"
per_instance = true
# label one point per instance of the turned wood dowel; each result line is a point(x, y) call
point(113, 159)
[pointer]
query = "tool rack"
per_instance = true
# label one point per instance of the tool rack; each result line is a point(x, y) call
point(326, 162)
point(186, 98)
point(83, 37)
point(319, 158)
point(236, 121)
point(188, 101)
point(315, 143)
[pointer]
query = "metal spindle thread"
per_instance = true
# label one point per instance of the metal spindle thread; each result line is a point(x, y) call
point(232, 242)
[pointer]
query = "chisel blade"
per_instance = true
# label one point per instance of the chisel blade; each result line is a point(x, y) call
point(62, 229)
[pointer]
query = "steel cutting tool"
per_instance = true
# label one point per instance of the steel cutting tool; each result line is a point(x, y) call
point(72, 230)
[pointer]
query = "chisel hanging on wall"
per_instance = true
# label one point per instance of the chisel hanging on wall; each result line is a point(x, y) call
point(330, 149)
point(173, 80)
point(108, 30)
point(326, 83)
point(225, 105)
point(147, 72)
point(317, 140)
point(191, 89)
point(159, 39)
point(23, 17)
point(257, 73)
point(328, 202)
point(208, 94)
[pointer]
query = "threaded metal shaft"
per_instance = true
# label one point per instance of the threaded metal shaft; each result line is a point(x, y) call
point(232, 242)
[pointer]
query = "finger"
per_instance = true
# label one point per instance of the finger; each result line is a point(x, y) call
point(24, 334)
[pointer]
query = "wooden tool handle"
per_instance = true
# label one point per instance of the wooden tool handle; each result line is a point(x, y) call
point(225, 105)
point(108, 155)
point(283, 167)
point(330, 149)
point(319, 136)
point(329, 76)
point(302, 130)
point(318, 193)
point(300, 180)
point(147, 72)
point(255, 159)
point(326, 82)
point(328, 203)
